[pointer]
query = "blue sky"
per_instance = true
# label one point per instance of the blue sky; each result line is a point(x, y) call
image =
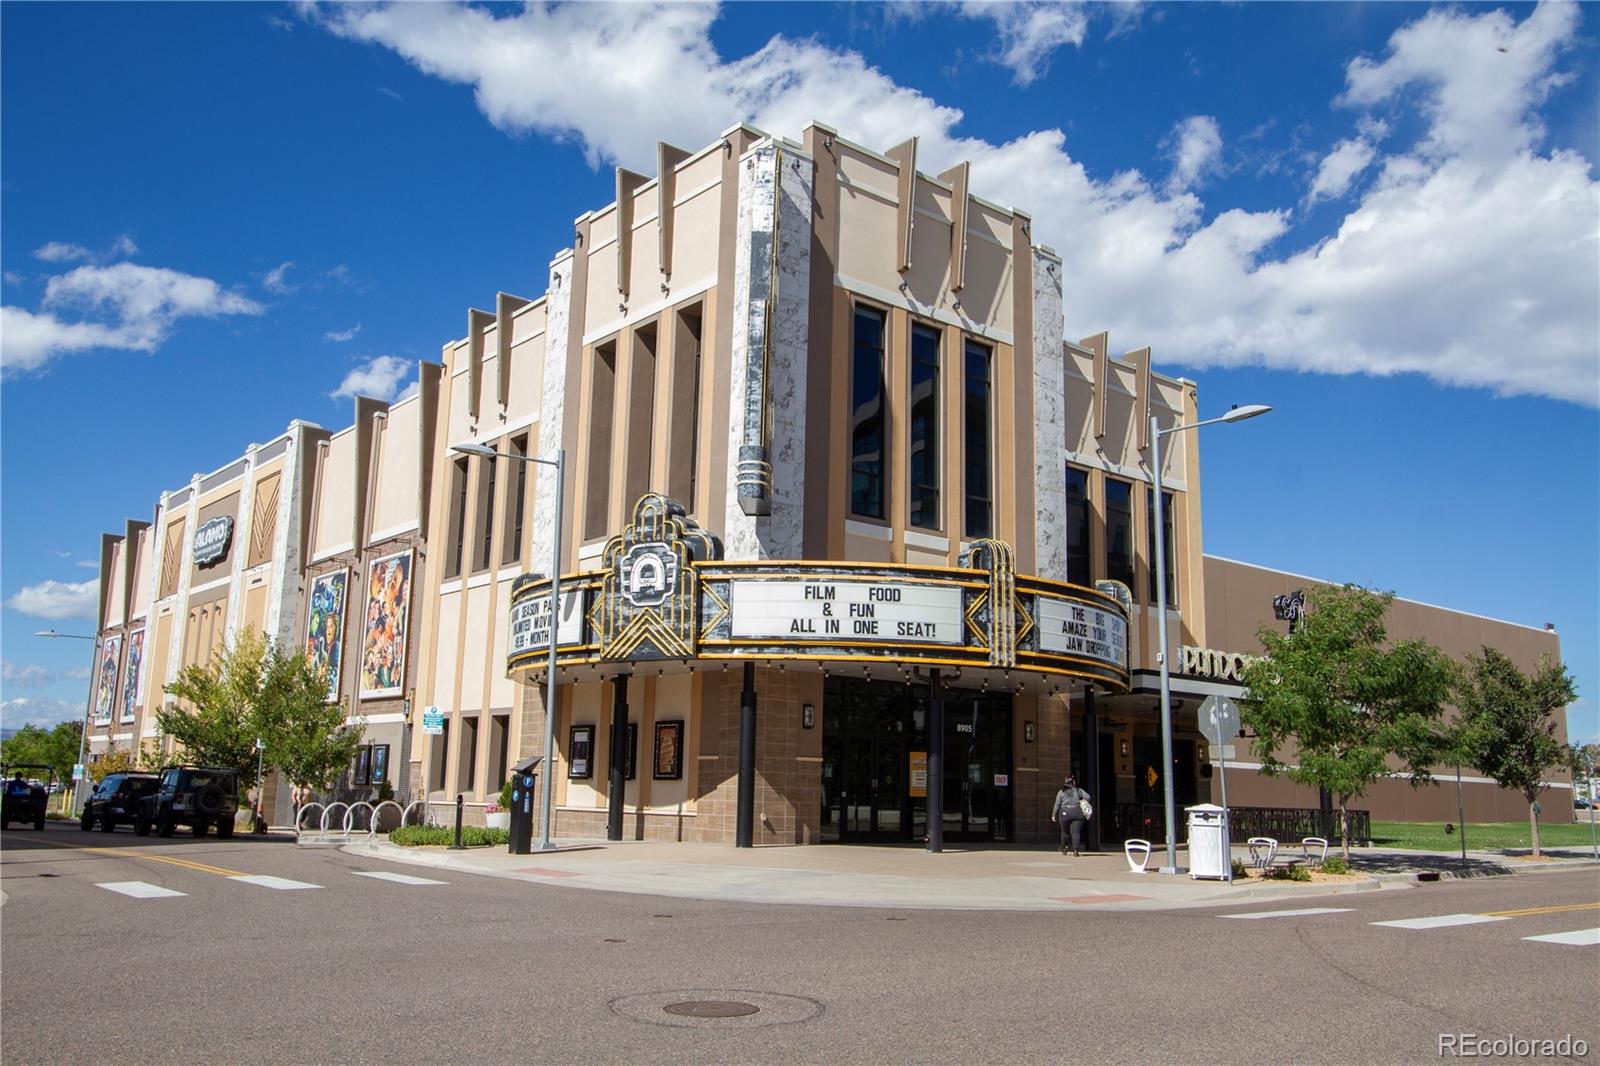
point(1381, 219)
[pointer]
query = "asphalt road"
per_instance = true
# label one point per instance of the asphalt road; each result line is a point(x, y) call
point(486, 970)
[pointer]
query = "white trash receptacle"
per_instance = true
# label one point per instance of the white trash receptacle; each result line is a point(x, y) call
point(1209, 851)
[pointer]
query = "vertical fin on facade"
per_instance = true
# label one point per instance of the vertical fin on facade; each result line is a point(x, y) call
point(628, 182)
point(771, 308)
point(905, 154)
point(1099, 345)
point(477, 322)
point(667, 159)
point(996, 557)
point(552, 405)
point(1140, 360)
point(1049, 417)
point(958, 178)
point(505, 305)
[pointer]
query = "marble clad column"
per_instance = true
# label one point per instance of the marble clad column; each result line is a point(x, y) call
point(1049, 418)
point(765, 513)
point(552, 411)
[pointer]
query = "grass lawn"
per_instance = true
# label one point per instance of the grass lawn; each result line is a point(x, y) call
point(1430, 836)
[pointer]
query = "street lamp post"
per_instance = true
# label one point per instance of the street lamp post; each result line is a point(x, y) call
point(88, 712)
point(1158, 565)
point(546, 791)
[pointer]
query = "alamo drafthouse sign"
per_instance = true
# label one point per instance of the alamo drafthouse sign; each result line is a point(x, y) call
point(663, 592)
point(212, 539)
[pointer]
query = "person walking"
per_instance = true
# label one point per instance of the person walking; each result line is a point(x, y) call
point(1071, 813)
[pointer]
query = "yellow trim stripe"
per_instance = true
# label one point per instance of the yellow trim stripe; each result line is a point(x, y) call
point(1563, 908)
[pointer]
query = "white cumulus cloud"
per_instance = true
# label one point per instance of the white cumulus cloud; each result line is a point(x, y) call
point(339, 336)
point(60, 252)
point(379, 377)
point(274, 280)
point(41, 713)
point(1029, 32)
point(1340, 167)
point(58, 601)
point(1469, 257)
point(123, 306)
point(33, 676)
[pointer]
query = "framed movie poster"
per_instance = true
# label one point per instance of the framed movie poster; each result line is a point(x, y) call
point(383, 640)
point(105, 697)
point(380, 763)
point(325, 626)
point(581, 751)
point(363, 772)
point(130, 674)
point(668, 764)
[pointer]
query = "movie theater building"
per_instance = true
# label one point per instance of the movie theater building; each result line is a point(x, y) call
point(222, 553)
point(826, 445)
point(367, 521)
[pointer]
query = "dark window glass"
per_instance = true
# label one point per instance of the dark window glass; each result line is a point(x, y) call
point(1079, 572)
point(868, 448)
point(458, 518)
point(597, 482)
point(977, 416)
point(1119, 531)
point(480, 555)
point(511, 550)
point(925, 427)
point(1167, 546)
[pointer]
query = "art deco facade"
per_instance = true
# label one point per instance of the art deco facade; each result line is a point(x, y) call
point(828, 442)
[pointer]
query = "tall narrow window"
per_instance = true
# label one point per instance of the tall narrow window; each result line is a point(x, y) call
point(485, 528)
point(1169, 550)
point(458, 518)
point(979, 400)
point(1119, 531)
point(924, 427)
point(640, 413)
point(1079, 572)
point(684, 430)
point(597, 480)
point(867, 445)
point(511, 550)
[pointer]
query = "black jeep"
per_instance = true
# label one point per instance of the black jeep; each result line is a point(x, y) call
point(196, 796)
point(115, 800)
point(24, 799)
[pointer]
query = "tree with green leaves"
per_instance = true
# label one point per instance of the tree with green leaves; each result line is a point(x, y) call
point(253, 690)
point(307, 737)
point(56, 747)
point(114, 761)
point(1337, 706)
point(1509, 722)
point(220, 723)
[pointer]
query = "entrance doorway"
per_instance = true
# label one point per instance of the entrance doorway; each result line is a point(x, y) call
point(874, 759)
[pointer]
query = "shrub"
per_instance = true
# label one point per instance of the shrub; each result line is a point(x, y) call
point(1294, 872)
point(1335, 864)
point(505, 795)
point(425, 836)
point(1240, 871)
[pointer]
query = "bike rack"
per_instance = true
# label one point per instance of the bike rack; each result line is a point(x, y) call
point(300, 819)
point(338, 819)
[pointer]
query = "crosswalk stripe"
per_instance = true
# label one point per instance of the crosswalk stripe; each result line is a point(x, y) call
point(1442, 921)
point(268, 881)
point(1298, 912)
point(1579, 937)
point(399, 879)
point(139, 889)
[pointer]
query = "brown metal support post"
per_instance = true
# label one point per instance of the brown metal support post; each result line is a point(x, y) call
point(935, 764)
point(744, 824)
point(618, 778)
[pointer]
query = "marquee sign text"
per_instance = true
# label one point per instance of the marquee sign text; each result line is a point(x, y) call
point(780, 609)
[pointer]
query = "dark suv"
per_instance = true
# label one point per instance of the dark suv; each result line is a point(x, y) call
point(196, 796)
point(115, 801)
point(24, 799)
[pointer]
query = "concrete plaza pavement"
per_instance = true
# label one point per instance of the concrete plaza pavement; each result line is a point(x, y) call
point(987, 878)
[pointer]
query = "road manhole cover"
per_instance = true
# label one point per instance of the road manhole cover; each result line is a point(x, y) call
point(717, 1008)
point(712, 1008)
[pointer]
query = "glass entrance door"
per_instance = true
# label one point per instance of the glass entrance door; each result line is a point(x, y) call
point(977, 769)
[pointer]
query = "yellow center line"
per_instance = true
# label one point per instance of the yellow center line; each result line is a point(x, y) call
point(1558, 909)
point(135, 853)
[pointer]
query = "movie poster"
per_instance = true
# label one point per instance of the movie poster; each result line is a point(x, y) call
point(105, 696)
point(325, 626)
point(383, 643)
point(130, 674)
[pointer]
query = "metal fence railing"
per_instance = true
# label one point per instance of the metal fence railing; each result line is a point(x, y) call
point(1148, 821)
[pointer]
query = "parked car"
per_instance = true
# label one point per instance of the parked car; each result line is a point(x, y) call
point(115, 801)
point(1582, 803)
point(195, 796)
point(23, 800)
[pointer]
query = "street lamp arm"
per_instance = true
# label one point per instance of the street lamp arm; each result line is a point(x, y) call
point(1238, 414)
point(489, 453)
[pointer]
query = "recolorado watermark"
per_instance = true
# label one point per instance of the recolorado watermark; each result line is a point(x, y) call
point(1473, 1046)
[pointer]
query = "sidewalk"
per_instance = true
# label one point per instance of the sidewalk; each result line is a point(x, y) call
point(981, 878)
